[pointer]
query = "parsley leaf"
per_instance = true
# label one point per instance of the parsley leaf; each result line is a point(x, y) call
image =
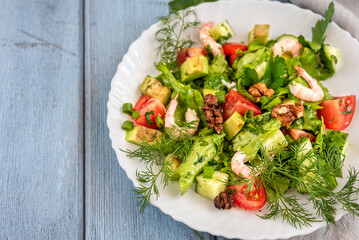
point(319, 29)
point(273, 76)
point(177, 5)
point(249, 77)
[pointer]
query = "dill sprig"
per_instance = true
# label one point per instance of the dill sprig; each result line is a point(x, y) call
point(316, 178)
point(153, 155)
point(171, 36)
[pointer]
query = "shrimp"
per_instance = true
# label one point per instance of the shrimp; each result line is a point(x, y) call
point(190, 116)
point(312, 94)
point(238, 166)
point(287, 45)
point(208, 41)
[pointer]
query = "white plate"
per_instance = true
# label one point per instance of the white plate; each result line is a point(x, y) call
point(192, 209)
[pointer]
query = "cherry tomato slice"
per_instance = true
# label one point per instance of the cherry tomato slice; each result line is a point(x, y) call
point(185, 53)
point(254, 199)
point(337, 113)
point(236, 102)
point(233, 50)
point(149, 108)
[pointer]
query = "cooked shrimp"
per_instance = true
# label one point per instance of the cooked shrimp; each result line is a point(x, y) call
point(238, 166)
point(312, 94)
point(229, 85)
point(287, 45)
point(190, 116)
point(208, 41)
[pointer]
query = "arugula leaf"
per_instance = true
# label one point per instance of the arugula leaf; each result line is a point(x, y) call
point(319, 29)
point(177, 5)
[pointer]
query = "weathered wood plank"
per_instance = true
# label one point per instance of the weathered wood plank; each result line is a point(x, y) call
point(41, 180)
point(111, 212)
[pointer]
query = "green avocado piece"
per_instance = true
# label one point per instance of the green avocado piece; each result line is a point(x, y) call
point(288, 102)
point(233, 125)
point(220, 94)
point(140, 134)
point(259, 33)
point(194, 67)
point(211, 188)
point(171, 163)
point(154, 88)
point(222, 31)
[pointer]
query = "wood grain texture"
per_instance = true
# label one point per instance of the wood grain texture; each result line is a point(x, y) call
point(41, 180)
point(111, 212)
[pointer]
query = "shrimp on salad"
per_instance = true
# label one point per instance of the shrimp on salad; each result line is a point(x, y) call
point(238, 166)
point(312, 94)
point(287, 45)
point(190, 116)
point(208, 41)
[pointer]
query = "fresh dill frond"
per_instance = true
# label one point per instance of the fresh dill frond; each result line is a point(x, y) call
point(315, 177)
point(153, 155)
point(171, 36)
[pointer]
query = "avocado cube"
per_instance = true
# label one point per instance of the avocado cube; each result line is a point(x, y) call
point(288, 102)
point(222, 31)
point(211, 188)
point(259, 33)
point(154, 88)
point(140, 134)
point(233, 125)
point(194, 67)
point(171, 163)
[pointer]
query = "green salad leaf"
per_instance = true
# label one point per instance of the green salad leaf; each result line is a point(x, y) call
point(176, 5)
point(320, 27)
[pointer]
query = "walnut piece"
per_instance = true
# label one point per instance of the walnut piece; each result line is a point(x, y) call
point(213, 113)
point(224, 200)
point(295, 134)
point(260, 89)
point(287, 113)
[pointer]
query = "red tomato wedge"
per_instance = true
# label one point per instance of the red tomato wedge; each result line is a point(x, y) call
point(233, 50)
point(254, 199)
point(149, 108)
point(236, 102)
point(337, 113)
point(185, 53)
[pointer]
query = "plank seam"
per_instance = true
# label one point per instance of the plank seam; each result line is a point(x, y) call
point(84, 117)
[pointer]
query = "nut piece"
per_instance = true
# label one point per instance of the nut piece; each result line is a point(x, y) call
point(224, 200)
point(295, 134)
point(287, 113)
point(213, 112)
point(260, 89)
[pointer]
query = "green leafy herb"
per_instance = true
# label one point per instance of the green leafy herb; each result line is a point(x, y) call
point(316, 177)
point(171, 36)
point(320, 27)
point(176, 5)
point(273, 76)
point(153, 155)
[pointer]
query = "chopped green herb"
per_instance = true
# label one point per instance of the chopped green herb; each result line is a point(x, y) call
point(208, 172)
point(135, 114)
point(127, 126)
point(127, 108)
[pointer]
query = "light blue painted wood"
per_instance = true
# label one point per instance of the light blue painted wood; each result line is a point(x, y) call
point(111, 211)
point(41, 180)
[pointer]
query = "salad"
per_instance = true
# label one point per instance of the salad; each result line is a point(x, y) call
point(246, 123)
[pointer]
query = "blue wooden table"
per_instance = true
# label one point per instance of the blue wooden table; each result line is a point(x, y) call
point(59, 177)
